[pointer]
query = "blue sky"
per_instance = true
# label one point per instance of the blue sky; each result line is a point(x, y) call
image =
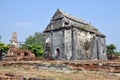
point(29, 16)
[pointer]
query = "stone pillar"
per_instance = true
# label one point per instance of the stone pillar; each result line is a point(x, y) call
point(63, 44)
point(94, 55)
point(73, 43)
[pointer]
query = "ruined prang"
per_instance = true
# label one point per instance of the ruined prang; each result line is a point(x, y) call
point(14, 53)
point(14, 39)
point(70, 38)
point(14, 44)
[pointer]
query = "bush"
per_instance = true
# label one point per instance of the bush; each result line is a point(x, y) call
point(3, 47)
point(36, 49)
point(117, 53)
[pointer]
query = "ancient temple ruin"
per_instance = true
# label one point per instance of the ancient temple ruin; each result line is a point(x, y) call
point(70, 38)
point(14, 53)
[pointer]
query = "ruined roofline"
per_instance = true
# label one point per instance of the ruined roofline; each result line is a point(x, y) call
point(73, 22)
point(69, 27)
point(66, 15)
point(91, 31)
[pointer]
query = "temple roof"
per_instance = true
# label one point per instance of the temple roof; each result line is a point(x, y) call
point(73, 21)
point(63, 14)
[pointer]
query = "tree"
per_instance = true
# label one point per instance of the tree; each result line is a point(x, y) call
point(35, 43)
point(4, 47)
point(37, 50)
point(37, 38)
point(111, 49)
point(0, 38)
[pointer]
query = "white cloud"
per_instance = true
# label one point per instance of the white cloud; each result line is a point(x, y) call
point(23, 24)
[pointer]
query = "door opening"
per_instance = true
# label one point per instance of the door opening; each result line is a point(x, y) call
point(57, 53)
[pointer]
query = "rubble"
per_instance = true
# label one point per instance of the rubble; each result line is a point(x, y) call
point(14, 53)
point(53, 70)
point(10, 76)
point(90, 65)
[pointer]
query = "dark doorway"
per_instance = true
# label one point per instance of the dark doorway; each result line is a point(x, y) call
point(58, 52)
point(25, 54)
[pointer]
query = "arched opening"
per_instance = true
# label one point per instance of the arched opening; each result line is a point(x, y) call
point(25, 54)
point(57, 52)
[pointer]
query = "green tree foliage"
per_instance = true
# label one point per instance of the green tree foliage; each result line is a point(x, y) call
point(37, 50)
point(111, 49)
point(117, 53)
point(3, 47)
point(35, 43)
point(37, 38)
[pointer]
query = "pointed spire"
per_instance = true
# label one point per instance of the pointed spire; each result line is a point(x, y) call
point(58, 9)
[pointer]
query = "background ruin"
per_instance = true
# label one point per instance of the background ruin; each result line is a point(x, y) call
point(14, 53)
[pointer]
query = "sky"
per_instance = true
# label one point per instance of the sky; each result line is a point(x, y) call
point(25, 17)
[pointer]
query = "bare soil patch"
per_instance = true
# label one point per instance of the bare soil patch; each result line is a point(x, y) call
point(20, 70)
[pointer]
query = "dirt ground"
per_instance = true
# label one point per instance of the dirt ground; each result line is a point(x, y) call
point(57, 75)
